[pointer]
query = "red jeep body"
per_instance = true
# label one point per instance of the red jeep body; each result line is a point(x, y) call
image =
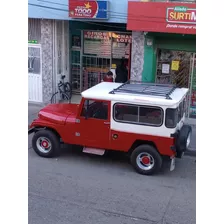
point(94, 124)
point(66, 120)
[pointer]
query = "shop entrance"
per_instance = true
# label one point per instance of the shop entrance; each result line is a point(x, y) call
point(94, 54)
point(178, 68)
point(34, 73)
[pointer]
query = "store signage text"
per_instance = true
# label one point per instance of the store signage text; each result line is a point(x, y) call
point(88, 9)
point(182, 14)
point(96, 35)
point(172, 17)
point(123, 38)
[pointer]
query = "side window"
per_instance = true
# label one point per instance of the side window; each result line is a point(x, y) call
point(138, 114)
point(126, 113)
point(181, 110)
point(151, 116)
point(95, 109)
point(171, 118)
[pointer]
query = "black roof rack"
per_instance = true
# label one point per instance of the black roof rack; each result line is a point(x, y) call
point(145, 88)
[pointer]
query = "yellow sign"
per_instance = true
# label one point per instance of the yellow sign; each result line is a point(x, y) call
point(175, 65)
point(113, 66)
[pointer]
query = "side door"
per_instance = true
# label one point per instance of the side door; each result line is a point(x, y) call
point(94, 124)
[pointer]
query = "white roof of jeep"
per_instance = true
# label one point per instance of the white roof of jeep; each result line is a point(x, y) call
point(116, 92)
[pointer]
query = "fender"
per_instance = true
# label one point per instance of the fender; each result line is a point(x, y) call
point(39, 124)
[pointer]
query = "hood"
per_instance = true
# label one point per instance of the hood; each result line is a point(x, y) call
point(58, 113)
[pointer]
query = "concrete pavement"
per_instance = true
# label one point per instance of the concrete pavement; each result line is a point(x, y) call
point(84, 189)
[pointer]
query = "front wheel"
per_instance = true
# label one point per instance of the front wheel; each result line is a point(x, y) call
point(146, 160)
point(46, 144)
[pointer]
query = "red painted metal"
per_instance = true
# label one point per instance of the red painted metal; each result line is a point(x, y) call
point(45, 144)
point(145, 160)
point(164, 17)
point(67, 121)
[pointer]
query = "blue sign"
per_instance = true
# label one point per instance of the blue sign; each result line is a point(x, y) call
point(88, 9)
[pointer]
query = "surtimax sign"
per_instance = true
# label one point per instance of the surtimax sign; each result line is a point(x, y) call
point(181, 14)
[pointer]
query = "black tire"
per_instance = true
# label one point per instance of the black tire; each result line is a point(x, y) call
point(150, 150)
point(181, 141)
point(68, 89)
point(51, 138)
point(63, 97)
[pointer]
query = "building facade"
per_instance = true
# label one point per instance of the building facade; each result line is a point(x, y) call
point(164, 44)
point(62, 40)
point(84, 39)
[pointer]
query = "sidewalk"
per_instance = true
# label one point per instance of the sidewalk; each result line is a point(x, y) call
point(34, 109)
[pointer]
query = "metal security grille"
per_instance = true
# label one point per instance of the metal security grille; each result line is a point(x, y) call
point(94, 53)
point(34, 30)
point(165, 72)
point(94, 69)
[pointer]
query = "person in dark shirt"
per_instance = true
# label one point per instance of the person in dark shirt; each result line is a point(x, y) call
point(121, 72)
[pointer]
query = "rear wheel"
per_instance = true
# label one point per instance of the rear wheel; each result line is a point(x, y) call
point(46, 144)
point(146, 160)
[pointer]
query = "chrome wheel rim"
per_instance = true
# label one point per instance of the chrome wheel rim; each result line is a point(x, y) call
point(145, 161)
point(43, 144)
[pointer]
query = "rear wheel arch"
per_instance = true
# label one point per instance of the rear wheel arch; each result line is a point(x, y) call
point(139, 142)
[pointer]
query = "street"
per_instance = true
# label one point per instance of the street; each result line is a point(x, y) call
point(78, 188)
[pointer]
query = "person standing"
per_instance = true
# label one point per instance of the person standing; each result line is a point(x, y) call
point(121, 72)
point(108, 77)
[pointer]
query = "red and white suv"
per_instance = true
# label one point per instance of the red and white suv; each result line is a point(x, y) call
point(144, 120)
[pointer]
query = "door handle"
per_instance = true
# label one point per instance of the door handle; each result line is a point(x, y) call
point(106, 122)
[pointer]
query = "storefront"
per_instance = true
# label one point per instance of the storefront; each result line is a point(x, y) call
point(96, 48)
point(164, 37)
point(94, 53)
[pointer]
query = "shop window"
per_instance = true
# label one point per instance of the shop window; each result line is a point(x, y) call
point(138, 114)
point(95, 109)
point(173, 67)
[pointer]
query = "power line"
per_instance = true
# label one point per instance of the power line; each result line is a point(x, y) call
point(117, 17)
point(121, 14)
point(87, 22)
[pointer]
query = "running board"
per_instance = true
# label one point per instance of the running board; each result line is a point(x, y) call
point(94, 151)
